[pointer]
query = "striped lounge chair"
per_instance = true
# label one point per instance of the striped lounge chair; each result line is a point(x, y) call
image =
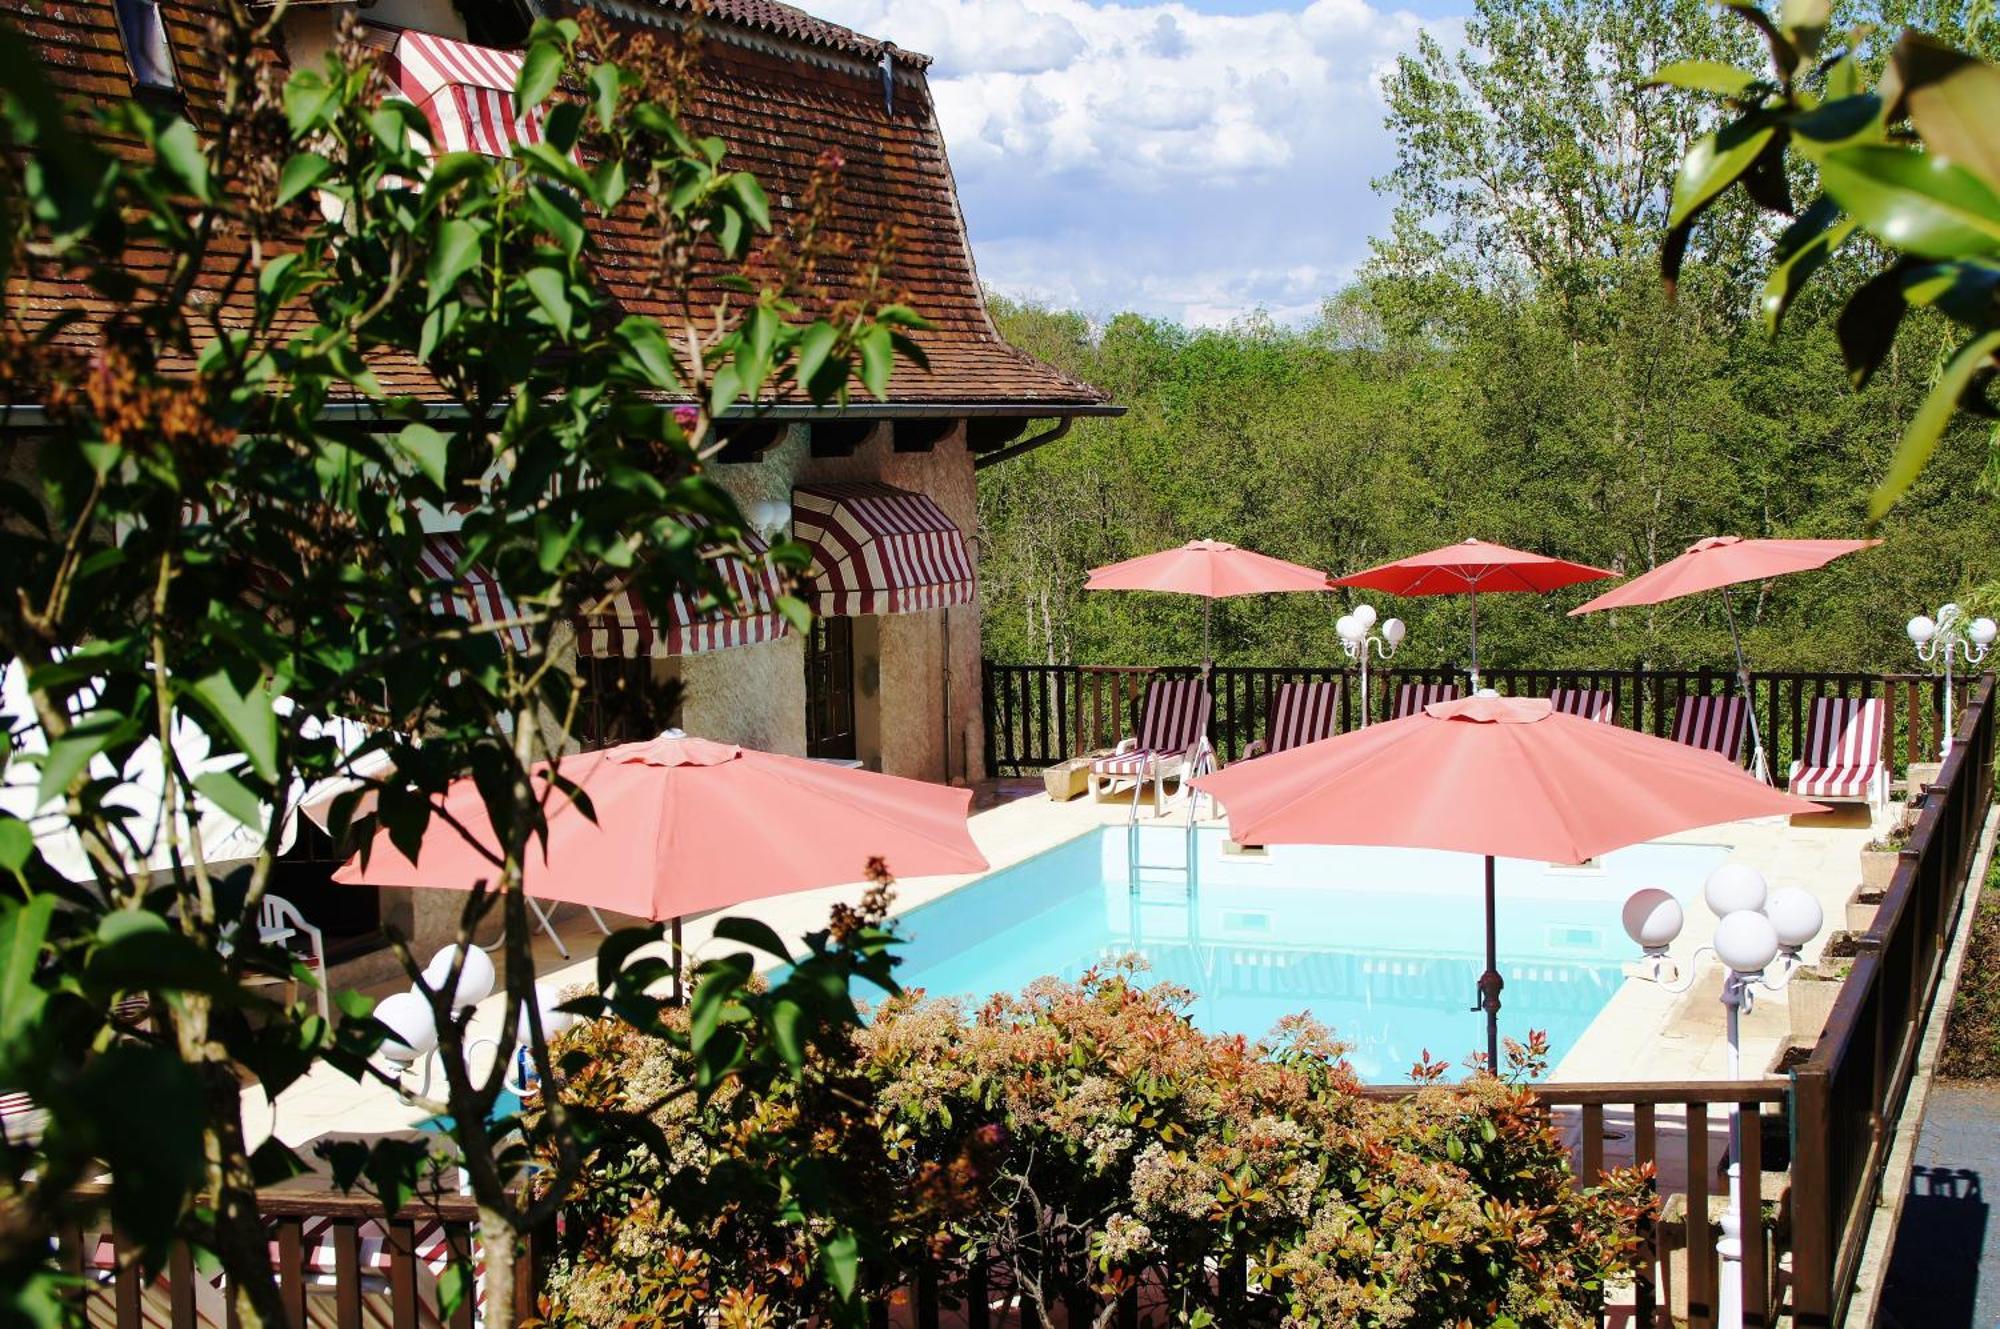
point(1301, 713)
point(1843, 762)
point(1586, 702)
point(1712, 724)
point(1413, 697)
point(1172, 741)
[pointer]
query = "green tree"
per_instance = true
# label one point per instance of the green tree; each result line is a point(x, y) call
point(197, 540)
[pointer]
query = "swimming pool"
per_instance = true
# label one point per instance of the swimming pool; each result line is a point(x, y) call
point(1382, 945)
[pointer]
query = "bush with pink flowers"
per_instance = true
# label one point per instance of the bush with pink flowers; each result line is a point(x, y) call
point(1083, 1143)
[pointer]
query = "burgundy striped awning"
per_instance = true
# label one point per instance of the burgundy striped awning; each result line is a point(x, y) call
point(468, 590)
point(878, 549)
point(466, 92)
point(627, 629)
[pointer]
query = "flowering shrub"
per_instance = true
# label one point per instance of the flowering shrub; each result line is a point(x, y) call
point(1087, 1142)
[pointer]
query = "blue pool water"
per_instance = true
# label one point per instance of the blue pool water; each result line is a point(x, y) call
point(1382, 945)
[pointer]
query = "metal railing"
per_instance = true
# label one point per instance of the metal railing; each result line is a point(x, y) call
point(1038, 715)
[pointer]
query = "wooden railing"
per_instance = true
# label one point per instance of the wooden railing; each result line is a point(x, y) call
point(1849, 1095)
point(340, 1259)
point(1038, 715)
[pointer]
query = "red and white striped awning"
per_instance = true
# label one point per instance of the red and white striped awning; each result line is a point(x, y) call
point(469, 591)
point(628, 630)
point(466, 92)
point(878, 549)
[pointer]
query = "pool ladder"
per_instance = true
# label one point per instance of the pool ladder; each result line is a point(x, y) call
point(1187, 870)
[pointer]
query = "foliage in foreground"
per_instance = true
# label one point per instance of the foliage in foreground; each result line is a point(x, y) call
point(1972, 1035)
point(195, 546)
point(1089, 1140)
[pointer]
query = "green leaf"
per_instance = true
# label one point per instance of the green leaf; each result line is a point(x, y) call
point(753, 932)
point(815, 344)
point(24, 931)
point(17, 846)
point(181, 152)
point(1703, 76)
point(878, 360)
point(550, 287)
point(1953, 100)
point(1915, 202)
point(540, 69)
point(784, 1020)
point(452, 169)
point(1804, 24)
point(301, 173)
point(604, 85)
point(718, 983)
point(724, 387)
point(1715, 162)
point(1806, 244)
point(647, 343)
point(71, 754)
point(751, 198)
point(1920, 439)
point(428, 448)
point(1831, 125)
point(453, 253)
point(248, 717)
point(840, 1260)
point(452, 1285)
point(228, 792)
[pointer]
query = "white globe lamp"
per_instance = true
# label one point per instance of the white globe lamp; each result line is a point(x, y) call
point(1746, 941)
point(1733, 888)
point(1364, 615)
point(1795, 916)
point(553, 1021)
point(1393, 632)
point(475, 980)
point(1922, 628)
point(1348, 629)
point(1983, 631)
point(412, 1032)
point(1653, 919)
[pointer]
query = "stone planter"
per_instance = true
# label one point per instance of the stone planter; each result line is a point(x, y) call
point(1877, 866)
point(1809, 998)
point(1862, 907)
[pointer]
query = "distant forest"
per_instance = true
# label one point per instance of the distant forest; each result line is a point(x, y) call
point(1509, 368)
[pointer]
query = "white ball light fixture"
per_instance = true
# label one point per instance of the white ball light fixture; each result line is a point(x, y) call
point(1983, 631)
point(1746, 941)
point(1734, 887)
point(1653, 918)
point(1348, 628)
point(413, 1033)
point(553, 1021)
point(1922, 628)
point(475, 980)
point(1364, 614)
point(1795, 916)
point(1393, 632)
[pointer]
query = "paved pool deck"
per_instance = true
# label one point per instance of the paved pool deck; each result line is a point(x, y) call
point(1644, 1033)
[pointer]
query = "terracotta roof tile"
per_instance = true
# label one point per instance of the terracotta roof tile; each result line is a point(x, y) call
point(778, 112)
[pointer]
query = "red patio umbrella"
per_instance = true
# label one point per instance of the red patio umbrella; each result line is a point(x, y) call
point(1211, 569)
point(1467, 568)
point(1717, 563)
point(1506, 777)
point(685, 825)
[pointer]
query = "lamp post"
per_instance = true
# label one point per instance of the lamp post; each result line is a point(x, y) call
point(1951, 634)
point(1759, 929)
point(1360, 637)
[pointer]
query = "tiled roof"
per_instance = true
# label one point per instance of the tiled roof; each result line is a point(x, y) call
point(779, 113)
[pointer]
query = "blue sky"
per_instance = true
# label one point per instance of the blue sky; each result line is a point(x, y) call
point(1194, 159)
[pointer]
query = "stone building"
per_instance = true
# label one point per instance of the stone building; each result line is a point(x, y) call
point(883, 492)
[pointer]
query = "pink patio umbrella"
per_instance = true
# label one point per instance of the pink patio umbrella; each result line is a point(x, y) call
point(1717, 563)
point(1507, 777)
point(1211, 569)
point(686, 825)
point(1467, 568)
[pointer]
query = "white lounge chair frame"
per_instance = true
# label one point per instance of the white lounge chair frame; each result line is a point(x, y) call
point(1842, 762)
point(1172, 741)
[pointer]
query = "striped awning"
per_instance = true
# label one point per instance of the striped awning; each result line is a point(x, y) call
point(466, 92)
point(468, 590)
point(878, 549)
point(627, 629)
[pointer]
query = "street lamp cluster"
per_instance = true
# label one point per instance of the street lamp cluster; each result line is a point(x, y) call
point(1758, 938)
point(413, 1034)
point(1951, 634)
point(1361, 636)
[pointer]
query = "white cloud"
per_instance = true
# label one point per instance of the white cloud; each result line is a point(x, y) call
point(1151, 156)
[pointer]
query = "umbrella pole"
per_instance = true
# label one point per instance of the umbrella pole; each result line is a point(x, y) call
point(1490, 982)
point(1743, 681)
point(1474, 597)
point(680, 995)
point(1207, 615)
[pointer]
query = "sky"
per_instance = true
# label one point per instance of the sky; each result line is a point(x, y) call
point(1199, 160)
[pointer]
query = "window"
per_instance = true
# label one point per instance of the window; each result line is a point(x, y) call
point(830, 689)
point(145, 38)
